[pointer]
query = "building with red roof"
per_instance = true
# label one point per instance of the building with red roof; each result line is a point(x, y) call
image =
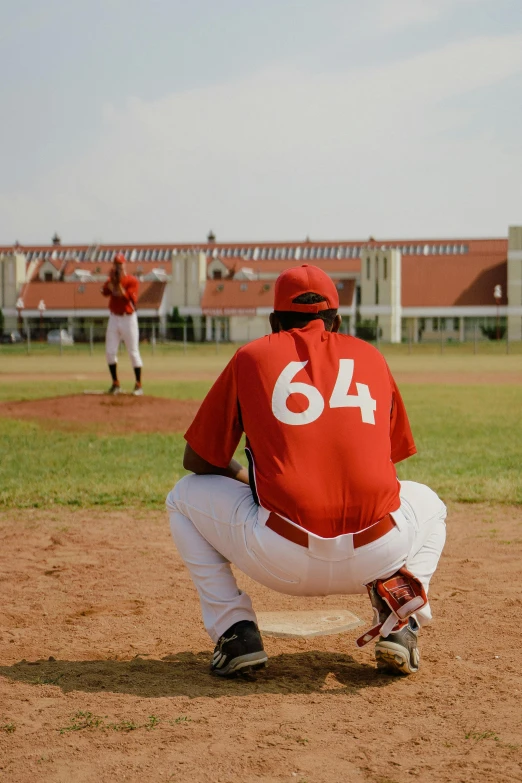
point(407, 288)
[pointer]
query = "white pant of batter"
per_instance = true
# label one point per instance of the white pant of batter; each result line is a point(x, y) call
point(123, 327)
point(215, 522)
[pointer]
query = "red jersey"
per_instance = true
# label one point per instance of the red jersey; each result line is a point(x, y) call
point(122, 305)
point(324, 422)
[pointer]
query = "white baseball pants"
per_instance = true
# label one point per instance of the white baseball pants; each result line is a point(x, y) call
point(214, 522)
point(123, 327)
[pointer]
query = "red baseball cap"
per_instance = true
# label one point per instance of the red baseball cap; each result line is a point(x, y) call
point(303, 280)
point(119, 258)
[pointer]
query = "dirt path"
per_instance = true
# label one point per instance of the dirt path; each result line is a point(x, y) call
point(103, 667)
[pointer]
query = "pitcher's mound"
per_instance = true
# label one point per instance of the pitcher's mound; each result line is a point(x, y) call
point(123, 414)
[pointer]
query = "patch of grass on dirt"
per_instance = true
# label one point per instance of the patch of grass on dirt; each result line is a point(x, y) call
point(481, 735)
point(86, 720)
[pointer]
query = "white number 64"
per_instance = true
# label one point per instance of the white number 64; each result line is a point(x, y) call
point(340, 398)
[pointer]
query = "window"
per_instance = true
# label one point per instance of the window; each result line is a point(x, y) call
point(147, 255)
point(456, 324)
point(243, 287)
point(216, 274)
point(263, 253)
point(435, 324)
point(313, 251)
point(385, 267)
point(48, 277)
point(367, 268)
point(306, 252)
point(270, 253)
point(442, 324)
point(376, 290)
point(154, 255)
point(376, 267)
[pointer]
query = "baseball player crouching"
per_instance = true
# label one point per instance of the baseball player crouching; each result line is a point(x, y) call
point(122, 290)
point(320, 510)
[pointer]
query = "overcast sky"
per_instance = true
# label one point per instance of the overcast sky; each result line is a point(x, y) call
point(157, 120)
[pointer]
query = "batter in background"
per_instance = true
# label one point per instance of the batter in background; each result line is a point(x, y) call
point(122, 290)
point(320, 510)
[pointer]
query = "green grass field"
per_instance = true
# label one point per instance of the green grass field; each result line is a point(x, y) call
point(468, 434)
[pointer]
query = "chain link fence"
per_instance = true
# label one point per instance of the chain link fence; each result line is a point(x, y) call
point(63, 337)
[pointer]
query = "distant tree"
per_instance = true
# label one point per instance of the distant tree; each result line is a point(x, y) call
point(190, 329)
point(366, 330)
point(491, 331)
point(175, 325)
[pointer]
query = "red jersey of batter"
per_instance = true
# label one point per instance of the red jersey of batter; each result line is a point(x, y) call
point(325, 424)
point(123, 305)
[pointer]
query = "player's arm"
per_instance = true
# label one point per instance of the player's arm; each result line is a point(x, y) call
point(107, 288)
point(118, 288)
point(214, 435)
point(130, 291)
point(193, 462)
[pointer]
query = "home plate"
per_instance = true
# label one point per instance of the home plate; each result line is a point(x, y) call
point(295, 625)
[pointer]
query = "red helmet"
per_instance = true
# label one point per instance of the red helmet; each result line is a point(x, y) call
point(119, 258)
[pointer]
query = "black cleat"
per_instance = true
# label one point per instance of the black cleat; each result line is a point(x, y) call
point(239, 650)
point(398, 653)
point(115, 389)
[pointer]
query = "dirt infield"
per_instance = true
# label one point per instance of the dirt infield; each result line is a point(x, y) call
point(103, 667)
point(103, 413)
